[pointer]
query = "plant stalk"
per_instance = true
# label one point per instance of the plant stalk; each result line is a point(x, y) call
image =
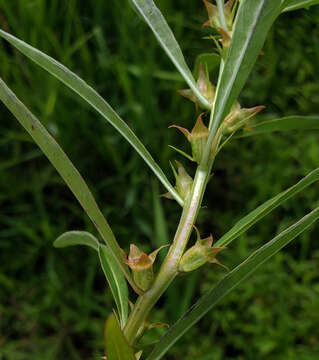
point(169, 268)
point(220, 5)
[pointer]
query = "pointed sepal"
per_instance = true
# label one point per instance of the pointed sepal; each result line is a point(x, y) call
point(184, 181)
point(238, 117)
point(215, 22)
point(141, 265)
point(197, 138)
point(204, 85)
point(199, 254)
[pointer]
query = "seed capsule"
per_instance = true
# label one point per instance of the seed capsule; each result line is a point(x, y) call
point(141, 265)
point(238, 117)
point(197, 137)
point(199, 254)
point(204, 85)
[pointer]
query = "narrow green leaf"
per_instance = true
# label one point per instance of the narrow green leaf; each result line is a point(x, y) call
point(290, 5)
point(253, 22)
point(72, 238)
point(116, 282)
point(112, 271)
point(66, 169)
point(95, 100)
point(230, 282)
point(116, 346)
point(156, 21)
point(249, 220)
point(287, 123)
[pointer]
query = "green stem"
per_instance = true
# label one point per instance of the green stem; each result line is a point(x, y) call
point(169, 268)
point(220, 5)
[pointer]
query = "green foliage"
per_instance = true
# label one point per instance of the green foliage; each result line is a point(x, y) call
point(116, 346)
point(41, 209)
point(231, 281)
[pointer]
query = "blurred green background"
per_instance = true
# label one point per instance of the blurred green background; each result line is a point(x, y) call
point(53, 303)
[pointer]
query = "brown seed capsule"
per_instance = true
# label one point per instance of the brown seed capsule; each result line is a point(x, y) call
point(141, 265)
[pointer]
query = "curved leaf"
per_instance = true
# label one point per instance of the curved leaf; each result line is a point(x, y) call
point(230, 282)
point(249, 220)
point(156, 21)
point(66, 169)
point(95, 100)
point(287, 123)
point(253, 21)
point(290, 5)
point(116, 346)
point(72, 238)
point(116, 282)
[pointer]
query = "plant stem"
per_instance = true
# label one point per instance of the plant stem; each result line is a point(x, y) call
point(220, 5)
point(169, 268)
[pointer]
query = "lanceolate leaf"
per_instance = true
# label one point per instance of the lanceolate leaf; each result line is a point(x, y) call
point(253, 22)
point(249, 220)
point(112, 272)
point(116, 282)
point(72, 238)
point(165, 37)
point(287, 123)
point(95, 100)
point(290, 5)
point(116, 346)
point(67, 171)
point(230, 282)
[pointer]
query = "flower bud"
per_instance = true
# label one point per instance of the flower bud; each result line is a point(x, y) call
point(197, 137)
point(204, 85)
point(183, 181)
point(215, 22)
point(214, 16)
point(199, 254)
point(141, 265)
point(238, 117)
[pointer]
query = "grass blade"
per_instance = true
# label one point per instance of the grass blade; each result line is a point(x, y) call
point(66, 169)
point(253, 22)
point(72, 238)
point(116, 282)
point(287, 123)
point(230, 282)
point(249, 220)
point(298, 4)
point(156, 21)
point(116, 346)
point(94, 99)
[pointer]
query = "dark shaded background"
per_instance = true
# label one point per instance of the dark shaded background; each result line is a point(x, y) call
point(53, 303)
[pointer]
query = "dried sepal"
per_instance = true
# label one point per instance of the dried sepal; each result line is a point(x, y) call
point(188, 94)
point(141, 265)
point(213, 15)
point(225, 39)
point(199, 254)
